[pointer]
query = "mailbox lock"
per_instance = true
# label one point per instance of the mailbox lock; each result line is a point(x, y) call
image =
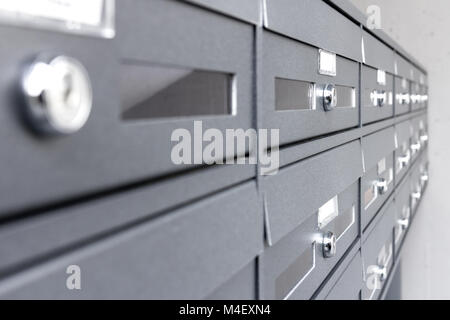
point(404, 98)
point(416, 195)
point(329, 245)
point(379, 98)
point(424, 177)
point(58, 95)
point(404, 222)
point(404, 160)
point(415, 98)
point(382, 186)
point(416, 146)
point(424, 138)
point(329, 97)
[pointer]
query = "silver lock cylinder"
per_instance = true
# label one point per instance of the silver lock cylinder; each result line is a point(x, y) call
point(58, 95)
point(423, 137)
point(382, 186)
point(404, 221)
point(329, 97)
point(415, 98)
point(424, 177)
point(379, 98)
point(404, 159)
point(416, 195)
point(403, 98)
point(416, 146)
point(329, 244)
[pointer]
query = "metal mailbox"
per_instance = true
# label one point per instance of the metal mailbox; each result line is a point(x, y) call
point(311, 211)
point(378, 253)
point(142, 90)
point(377, 80)
point(378, 180)
point(187, 254)
point(309, 81)
point(403, 155)
point(404, 76)
point(419, 135)
point(241, 286)
point(349, 284)
point(403, 212)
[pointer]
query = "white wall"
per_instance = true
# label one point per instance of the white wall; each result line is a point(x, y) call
point(422, 28)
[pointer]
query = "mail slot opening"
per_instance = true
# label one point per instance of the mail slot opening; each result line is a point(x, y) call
point(293, 95)
point(346, 97)
point(153, 91)
point(303, 95)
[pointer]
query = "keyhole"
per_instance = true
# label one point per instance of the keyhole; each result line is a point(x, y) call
point(67, 86)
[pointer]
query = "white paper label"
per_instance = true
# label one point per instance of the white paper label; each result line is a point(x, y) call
point(328, 212)
point(77, 11)
point(404, 83)
point(381, 77)
point(327, 63)
point(381, 166)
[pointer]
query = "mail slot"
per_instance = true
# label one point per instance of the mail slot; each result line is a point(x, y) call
point(309, 82)
point(378, 253)
point(143, 89)
point(378, 180)
point(377, 80)
point(311, 210)
point(189, 253)
point(403, 212)
point(403, 157)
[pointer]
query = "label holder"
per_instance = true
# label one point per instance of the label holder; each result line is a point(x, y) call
point(327, 63)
